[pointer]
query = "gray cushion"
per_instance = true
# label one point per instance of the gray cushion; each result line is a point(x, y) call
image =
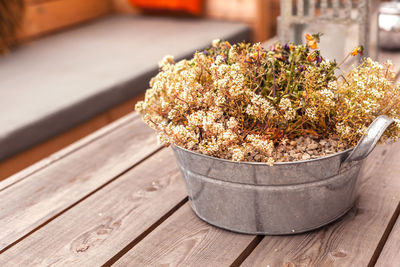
point(51, 85)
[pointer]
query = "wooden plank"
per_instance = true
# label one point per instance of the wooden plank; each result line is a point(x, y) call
point(242, 10)
point(102, 225)
point(61, 153)
point(45, 16)
point(390, 255)
point(124, 7)
point(22, 160)
point(352, 241)
point(261, 14)
point(185, 240)
point(44, 194)
point(262, 28)
point(124, 108)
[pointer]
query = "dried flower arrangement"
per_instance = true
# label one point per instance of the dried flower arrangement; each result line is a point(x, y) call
point(246, 103)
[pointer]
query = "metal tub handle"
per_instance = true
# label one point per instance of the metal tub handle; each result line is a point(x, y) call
point(368, 141)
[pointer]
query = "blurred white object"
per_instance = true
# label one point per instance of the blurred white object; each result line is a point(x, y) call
point(389, 25)
point(344, 23)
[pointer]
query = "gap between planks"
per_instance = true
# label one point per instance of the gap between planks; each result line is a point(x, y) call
point(352, 240)
point(138, 253)
point(144, 234)
point(80, 200)
point(385, 237)
point(248, 250)
point(18, 177)
point(257, 240)
point(104, 228)
point(186, 240)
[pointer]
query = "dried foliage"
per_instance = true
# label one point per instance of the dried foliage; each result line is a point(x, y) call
point(231, 101)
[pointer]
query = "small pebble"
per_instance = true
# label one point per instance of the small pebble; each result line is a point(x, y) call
point(313, 146)
point(302, 148)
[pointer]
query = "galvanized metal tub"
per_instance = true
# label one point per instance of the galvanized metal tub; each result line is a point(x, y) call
point(287, 198)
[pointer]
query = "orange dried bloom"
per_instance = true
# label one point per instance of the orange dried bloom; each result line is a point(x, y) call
point(312, 40)
point(309, 37)
point(312, 57)
point(357, 50)
point(227, 44)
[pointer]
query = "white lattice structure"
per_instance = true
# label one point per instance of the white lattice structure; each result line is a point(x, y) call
point(345, 12)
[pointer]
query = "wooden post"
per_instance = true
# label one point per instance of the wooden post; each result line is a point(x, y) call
point(41, 17)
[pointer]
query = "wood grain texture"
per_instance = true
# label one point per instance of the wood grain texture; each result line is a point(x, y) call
point(28, 157)
point(31, 156)
point(41, 17)
point(262, 21)
point(265, 21)
point(124, 108)
point(47, 192)
point(390, 255)
point(185, 240)
point(241, 10)
point(124, 7)
point(260, 14)
point(65, 151)
point(353, 240)
point(100, 226)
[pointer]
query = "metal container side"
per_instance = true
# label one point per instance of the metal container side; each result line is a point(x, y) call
point(286, 198)
point(269, 209)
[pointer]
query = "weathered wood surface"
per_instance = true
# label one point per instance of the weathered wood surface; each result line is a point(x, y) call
point(99, 227)
point(45, 16)
point(46, 149)
point(116, 197)
point(137, 218)
point(390, 255)
point(355, 239)
point(185, 240)
point(66, 151)
point(32, 201)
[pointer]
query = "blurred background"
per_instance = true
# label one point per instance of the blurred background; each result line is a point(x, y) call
point(70, 67)
point(28, 19)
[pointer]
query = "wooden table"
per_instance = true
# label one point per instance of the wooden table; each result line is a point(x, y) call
point(118, 198)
